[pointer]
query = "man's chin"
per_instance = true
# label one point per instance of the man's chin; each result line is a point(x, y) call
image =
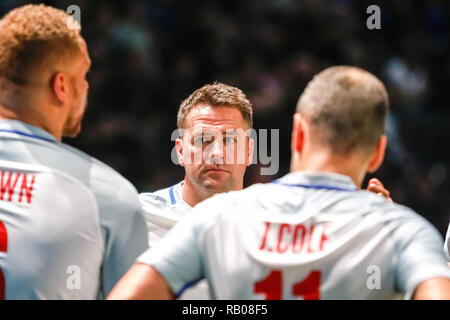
point(217, 185)
point(72, 132)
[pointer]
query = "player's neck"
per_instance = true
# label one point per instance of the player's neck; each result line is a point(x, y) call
point(325, 161)
point(27, 116)
point(189, 193)
point(29, 104)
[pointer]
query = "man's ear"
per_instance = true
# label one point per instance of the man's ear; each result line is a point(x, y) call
point(378, 155)
point(179, 146)
point(59, 86)
point(298, 134)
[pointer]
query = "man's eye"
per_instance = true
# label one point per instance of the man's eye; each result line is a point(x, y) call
point(229, 140)
point(203, 139)
point(198, 140)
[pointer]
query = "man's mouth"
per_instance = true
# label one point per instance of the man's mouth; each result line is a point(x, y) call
point(216, 170)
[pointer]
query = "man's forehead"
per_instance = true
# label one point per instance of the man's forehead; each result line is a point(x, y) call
point(84, 51)
point(212, 130)
point(219, 117)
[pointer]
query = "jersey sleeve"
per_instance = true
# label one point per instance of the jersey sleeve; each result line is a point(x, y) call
point(177, 257)
point(447, 243)
point(125, 234)
point(420, 255)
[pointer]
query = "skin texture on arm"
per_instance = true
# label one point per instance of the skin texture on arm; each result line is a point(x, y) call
point(433, 289)
point(141, 282)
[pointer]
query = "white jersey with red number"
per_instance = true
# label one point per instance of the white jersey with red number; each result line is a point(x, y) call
point(162, 210)
point(307, 236)
point(70, 225)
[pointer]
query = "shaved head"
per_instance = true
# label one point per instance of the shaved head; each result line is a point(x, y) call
point(346, 107)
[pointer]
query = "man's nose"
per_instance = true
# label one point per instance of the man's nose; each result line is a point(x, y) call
point(215, 152)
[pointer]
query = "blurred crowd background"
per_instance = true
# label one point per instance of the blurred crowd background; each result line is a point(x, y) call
point(150, 55)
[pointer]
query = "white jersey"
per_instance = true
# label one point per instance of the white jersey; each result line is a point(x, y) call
point(57, 246)
point(307, 236)
point(73, 227)
point(447, 244)
point(162, 210)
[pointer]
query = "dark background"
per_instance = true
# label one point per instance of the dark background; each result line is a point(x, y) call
point(150, 55)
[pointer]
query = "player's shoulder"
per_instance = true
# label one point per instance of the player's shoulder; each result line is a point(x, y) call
point(105, 182)
point(99, 168)
point(224, 209)
point(256, 195)
point(386, 209)
point(268, 195)
point(35, 169)
point(234, 202)
point(161, 199)
point(404, 223)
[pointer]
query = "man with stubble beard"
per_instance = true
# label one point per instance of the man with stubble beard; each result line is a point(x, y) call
point(70, 226)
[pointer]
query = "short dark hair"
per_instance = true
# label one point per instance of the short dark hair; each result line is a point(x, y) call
point(216, 94)
point(347, 105)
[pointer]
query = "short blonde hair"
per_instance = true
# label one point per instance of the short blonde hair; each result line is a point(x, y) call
point(34, 38)
point(348, 106)
point(216, 94)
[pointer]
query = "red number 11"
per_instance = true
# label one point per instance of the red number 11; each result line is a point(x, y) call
point(272, 286)
point(3, 248)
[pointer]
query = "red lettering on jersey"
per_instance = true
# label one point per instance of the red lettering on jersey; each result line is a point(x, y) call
point(3, 248)
point(3, 238)
point(323, 237)
point(294, 240)
point(310, 236)
point(263, 244)
point(7, 185)
point(280, 238)
point(28, 189)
